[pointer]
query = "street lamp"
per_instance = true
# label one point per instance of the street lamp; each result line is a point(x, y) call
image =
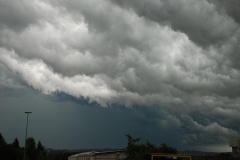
point(26, 136)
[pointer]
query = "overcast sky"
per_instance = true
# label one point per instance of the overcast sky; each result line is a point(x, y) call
point(92, 71)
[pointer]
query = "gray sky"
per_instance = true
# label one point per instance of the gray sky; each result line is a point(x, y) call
point(92, 71)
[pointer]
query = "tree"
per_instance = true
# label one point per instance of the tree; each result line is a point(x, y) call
point(137, 150)
point(9, 151)
point(133, 147)
point(31, 149)
point(166, 149)
point(3, 148)
point(2, 140)
point(16, 143)
point(34, 152)
point(41, 151)
point(40, 146)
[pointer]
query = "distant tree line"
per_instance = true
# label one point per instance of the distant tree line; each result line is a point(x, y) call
point(219, 156)
point(138, 150)
point(13, 151)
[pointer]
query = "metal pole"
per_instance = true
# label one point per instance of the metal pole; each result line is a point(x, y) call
point(24, 157)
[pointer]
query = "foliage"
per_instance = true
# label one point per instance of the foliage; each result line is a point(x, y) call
point(2, 140)
point(166, 149)
point(41, 153)
point(34, 152)
point(137, 150)
point(31, 152)
point(9, 151)
point(13, 151)
point(16, 143)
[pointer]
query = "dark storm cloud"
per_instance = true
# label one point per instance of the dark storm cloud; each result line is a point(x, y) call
point(198, 19)
point(205, 22)
point(231, 7)
point(179, 56)
point(77, 125)
point(17, 15)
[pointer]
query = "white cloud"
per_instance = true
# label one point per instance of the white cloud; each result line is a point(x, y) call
point(38, 75)
point(55, 42)
point(137, 60)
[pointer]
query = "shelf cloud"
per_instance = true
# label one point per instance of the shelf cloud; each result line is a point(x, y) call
point(178, 58)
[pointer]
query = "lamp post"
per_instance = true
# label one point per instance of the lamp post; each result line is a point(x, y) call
point(26, 136)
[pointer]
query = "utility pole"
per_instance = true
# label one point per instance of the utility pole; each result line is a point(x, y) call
point(24, 157)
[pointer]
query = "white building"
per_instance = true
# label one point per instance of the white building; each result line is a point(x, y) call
point(108, 155)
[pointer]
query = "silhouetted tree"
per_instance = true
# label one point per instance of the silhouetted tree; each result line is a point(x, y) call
point(137, 150)
point(31, 152)
point(2, 140)
point(166, 149)
point(9, 151)
point(16, 143)
point(132, 147)
point(41, 151)
point(40, 146)
point(3, 147)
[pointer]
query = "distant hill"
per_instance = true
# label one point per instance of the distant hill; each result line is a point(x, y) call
point(198, 153)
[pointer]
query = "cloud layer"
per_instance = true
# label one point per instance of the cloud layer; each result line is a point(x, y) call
point(179, 56)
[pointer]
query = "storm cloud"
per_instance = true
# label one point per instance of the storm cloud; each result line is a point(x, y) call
point(172, 64)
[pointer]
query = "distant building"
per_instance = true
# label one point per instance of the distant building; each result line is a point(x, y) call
point(107, 155)
point(234, 142)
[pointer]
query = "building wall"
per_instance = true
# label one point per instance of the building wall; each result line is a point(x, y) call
point(85, 157)
point(99, 156)
point(110, 156)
